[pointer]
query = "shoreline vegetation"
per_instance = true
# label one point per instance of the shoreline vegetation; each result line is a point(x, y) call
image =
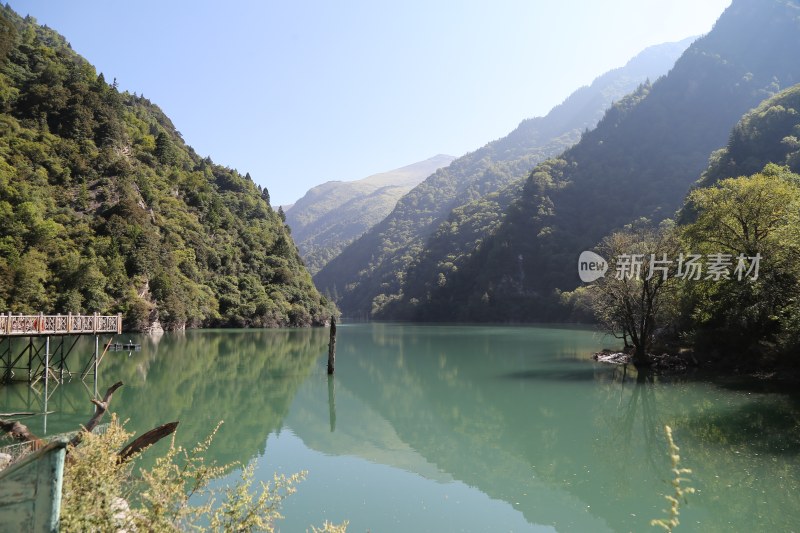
point(719, 288)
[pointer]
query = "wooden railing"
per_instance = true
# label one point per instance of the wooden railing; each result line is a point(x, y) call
point(28, 325)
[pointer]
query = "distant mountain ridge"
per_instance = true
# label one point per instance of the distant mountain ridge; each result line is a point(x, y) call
point(331, 215)
point(640, 161)
point(369, 273)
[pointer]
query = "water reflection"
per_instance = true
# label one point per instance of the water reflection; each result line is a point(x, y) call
point(518, 414)
point(246, 378)
point(332, 402)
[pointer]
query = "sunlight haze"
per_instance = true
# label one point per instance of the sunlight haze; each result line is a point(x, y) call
point(298, 93)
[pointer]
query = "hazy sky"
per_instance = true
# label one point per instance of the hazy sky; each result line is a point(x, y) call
point(299, 92)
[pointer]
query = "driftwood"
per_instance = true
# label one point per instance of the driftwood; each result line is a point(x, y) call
point(140, 443)
point(146, 439)
point(102, 407)
point(20, 432)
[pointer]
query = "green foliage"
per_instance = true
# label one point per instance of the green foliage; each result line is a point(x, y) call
point(8, 37)
point(180, 474)
point(106, 209)
point(101, 493)
point(242, 511)
point(755, 215)
point(767, 134)
point(95, 483)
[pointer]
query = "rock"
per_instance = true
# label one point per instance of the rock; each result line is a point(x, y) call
point(670, 362)
point(615, 358)
point(155, 328)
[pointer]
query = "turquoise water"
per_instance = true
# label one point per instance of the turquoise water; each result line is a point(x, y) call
point(456, 428)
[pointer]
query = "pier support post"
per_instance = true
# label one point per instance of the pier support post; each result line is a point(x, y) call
point(332, 346)
point(46, 364)
point(96, 361)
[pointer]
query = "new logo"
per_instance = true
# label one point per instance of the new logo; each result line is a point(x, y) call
point(591, 266)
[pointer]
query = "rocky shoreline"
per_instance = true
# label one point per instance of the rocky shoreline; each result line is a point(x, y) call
point(663, 362)
point(774, 376)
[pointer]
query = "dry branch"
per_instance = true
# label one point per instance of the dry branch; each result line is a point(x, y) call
point(102, 407)
point(146, 439)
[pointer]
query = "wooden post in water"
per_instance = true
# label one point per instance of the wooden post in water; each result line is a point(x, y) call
point(332, 346)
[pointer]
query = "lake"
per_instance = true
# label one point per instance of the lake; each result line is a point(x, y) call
point(455, 428)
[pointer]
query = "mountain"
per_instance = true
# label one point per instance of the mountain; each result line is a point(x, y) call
point(332, 215)
point(639, 162)
point(369, 273)
point(106, 209)
point(770, 133)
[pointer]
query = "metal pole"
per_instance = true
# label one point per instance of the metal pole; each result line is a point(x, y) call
point(46, 379)
point(44, 413)
point(96, 355)
point(60, 348)
point(47, 355)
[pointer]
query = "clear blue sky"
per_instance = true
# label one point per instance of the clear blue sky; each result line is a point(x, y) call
point(300, 92)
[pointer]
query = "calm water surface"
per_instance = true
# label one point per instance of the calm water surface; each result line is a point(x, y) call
point(456, 428)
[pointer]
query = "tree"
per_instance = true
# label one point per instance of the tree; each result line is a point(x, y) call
point(639, 292)
point(755, 216)
point(743, 215)
point(8, 37)
point(165, 150)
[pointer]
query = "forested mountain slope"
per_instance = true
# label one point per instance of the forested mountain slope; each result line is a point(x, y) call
point(770, 133)
point(639, 162)
point(332, 215)
point(106, 209)
point(370, 272)
point(748, 202)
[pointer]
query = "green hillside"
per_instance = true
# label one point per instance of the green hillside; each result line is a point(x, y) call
point(332, 215)
point(770, 133)
point(639, 162)
point(106, 209)
point(370, 272)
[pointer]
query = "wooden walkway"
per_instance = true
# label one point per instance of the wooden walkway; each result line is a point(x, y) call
point(47, 325)
point(26, 351)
